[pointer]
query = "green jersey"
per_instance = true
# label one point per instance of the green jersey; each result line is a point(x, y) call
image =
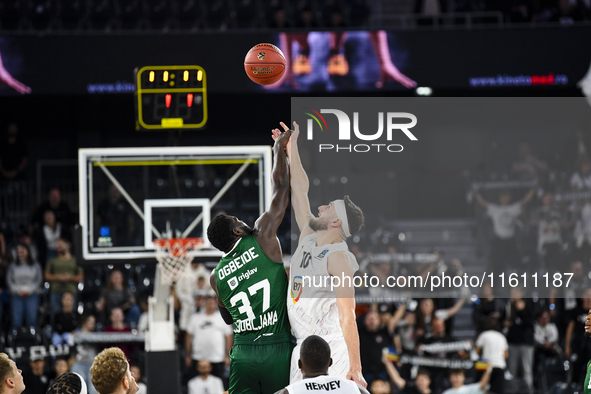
point(253, 288)
point(587, 385)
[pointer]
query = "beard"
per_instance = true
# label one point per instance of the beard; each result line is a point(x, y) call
point(587, 334)
point(318, 224)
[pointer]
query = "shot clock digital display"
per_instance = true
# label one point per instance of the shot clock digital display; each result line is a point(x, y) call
point(171, 97)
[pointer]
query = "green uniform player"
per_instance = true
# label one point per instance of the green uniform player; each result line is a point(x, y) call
point(251, 285)
point(587, 384)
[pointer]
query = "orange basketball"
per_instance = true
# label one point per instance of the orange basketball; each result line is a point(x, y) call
point(264, 64)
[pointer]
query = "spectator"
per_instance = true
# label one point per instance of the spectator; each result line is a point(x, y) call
point(201, 292)
point(3, 292)
point(581, 179)
point(204, 382)
point(520, 336)
point(208, 338)
point(66, 322)
point(136, 372)
point(576, 343)
point(36, 380)
point(24, 278)
point(545, 334)
point(550, 223)
point(405, 337)
point(504, 245)
point(185, 288)
point(372, 339)
point(492, 346)
point(575, 149)
point(427, 313)
point(26, 239)
point(59, 207)
point(117, 325)
point(457, 377)
point(116, 214)
point(419, 386)
point(563, 300)
point(279, 19)
point(438, 336)
point(85, 353)
point(117, 295)
point(63, 274)
point(380, 386)
point(567, 13)
point(142, 324)
point(582, 233)
point(306, 19)
point(527, 166)
point(487, 306)
point(49, 234)
point(545, 340)
point(13, 155)
point(60, 367)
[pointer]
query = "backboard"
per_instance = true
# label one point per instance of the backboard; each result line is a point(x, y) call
point(131, 196)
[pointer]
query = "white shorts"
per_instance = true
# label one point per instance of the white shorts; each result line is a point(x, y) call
point(338, 352)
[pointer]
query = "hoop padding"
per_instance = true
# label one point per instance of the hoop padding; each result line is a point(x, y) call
point(174, 257)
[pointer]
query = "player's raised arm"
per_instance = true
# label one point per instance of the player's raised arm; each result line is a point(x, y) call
point(266, 226)
point(299, 184)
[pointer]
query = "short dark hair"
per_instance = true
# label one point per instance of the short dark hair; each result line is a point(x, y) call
point(457, 370)
point(219, 232)
point(424, 371)
point(315, 353)
point(354, 216)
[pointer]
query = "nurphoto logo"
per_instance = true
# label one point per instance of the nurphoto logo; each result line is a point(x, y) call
point(390, 122)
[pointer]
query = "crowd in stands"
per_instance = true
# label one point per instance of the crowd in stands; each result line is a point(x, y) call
point(109, 15)
point(526, 340)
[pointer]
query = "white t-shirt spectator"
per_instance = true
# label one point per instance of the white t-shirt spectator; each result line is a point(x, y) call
point(493, 345)
point(549, 226)
point(52, 236)
point(473, 388)
point(209, 337)
point(211, 385)
point(580, 182)
point(549, 333)
point(503, 218)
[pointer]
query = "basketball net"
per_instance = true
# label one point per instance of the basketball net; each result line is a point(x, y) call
point(174, 256)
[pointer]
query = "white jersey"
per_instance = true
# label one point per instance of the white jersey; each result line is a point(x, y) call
point(312, 305)
point(324, 384)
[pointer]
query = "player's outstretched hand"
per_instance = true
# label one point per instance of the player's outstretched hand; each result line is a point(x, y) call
point(292, 138)
point(357, 377)
point(281, 139)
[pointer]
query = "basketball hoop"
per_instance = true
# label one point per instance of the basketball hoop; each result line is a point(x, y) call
point(174, 256)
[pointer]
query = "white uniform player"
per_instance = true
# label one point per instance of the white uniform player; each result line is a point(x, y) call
point(324, 384)
point(312, 306)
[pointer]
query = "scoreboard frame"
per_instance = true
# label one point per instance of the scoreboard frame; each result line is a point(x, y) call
point(169, 123)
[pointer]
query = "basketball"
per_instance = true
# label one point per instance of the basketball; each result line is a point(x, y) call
point(264, 64)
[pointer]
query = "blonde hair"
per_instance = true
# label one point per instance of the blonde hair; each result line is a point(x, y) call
point(108, 369)
point(6, 370)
